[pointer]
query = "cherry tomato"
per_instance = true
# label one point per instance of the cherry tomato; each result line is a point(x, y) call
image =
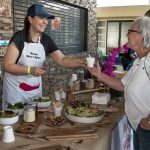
point(59, 119)
point(49, 120)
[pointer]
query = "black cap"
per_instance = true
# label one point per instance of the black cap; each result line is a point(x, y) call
point(38, 10)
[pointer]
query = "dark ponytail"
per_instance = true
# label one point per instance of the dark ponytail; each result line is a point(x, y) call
point(26, 29)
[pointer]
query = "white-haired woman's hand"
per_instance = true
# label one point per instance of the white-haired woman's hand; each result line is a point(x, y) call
point(145, 123)
point(96, 70)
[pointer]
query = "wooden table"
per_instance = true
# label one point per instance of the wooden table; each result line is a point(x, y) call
point(102, 142)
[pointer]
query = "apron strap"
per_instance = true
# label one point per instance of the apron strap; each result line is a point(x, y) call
point(39, 40)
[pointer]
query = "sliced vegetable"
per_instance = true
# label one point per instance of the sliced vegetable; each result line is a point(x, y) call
point(18, 105)
point(7, 114)
point(54, 120)
point(40, 99)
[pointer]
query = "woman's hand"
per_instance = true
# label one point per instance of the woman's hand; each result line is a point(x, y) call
point(36, 71)
point(96, 70)
point(145, 123)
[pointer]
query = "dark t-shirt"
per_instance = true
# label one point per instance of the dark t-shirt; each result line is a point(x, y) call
point(48, 44)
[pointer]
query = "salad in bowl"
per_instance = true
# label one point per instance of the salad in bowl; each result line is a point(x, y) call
point(83, 113)
point(42, 102)
point(8, 117)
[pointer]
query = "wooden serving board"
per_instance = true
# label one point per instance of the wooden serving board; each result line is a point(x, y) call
point(67, 131)
point(28, 128)
point(40, 146)
point(75, 136)
point(108, 109)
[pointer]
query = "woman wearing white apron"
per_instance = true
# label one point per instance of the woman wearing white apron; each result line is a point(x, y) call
point(25, 56)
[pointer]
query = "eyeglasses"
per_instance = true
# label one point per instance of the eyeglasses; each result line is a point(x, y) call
point(130, 30)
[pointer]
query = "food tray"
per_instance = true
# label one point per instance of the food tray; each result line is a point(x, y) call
point(27, 128)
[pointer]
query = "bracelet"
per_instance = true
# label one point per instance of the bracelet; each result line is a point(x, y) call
point(29, 70)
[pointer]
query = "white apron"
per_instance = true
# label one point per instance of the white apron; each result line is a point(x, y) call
point(25, 87)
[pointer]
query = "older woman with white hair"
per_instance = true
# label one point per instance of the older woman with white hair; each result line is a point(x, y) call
point(136, 83)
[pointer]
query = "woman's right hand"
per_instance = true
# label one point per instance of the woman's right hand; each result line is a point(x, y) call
point(96, 70)
point(37, 71)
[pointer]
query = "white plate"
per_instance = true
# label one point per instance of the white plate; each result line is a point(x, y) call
point(9, 121)
point(44, 104)
point(83, 119)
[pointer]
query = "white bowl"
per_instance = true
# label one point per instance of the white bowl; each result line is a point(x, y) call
point(9, 121)
point(19, 111)
point(44, 104)
point(83, 119)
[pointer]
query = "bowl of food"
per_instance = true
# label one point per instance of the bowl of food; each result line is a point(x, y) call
point(53, 120)
point(42, 102)
point(17, 107)
point(8, 117)
point(83, 113)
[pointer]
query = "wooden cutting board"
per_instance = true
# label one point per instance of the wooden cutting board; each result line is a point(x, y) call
point(75, 136)
point(110, 108)
point(57, 147)
point(72, 135)
point(67, 131)
point(40, 146)
point(29, 128)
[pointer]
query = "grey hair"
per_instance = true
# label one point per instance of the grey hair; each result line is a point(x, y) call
point(143, 26)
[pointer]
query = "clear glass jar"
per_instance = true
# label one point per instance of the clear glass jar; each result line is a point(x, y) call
point(29, 113)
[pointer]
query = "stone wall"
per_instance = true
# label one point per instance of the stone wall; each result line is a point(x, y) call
point(58, 76)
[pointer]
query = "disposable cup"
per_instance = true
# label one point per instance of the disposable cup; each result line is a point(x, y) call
point(8, 134)
point(57, 111)
point(90, 61)
point(63, 94)
point(58, 95)
point(74, 77)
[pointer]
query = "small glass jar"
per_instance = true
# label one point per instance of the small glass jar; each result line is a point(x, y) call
point(84, 84)
point(76, 85)
point(90, 84)
point(29, 113)
point(80, 74)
